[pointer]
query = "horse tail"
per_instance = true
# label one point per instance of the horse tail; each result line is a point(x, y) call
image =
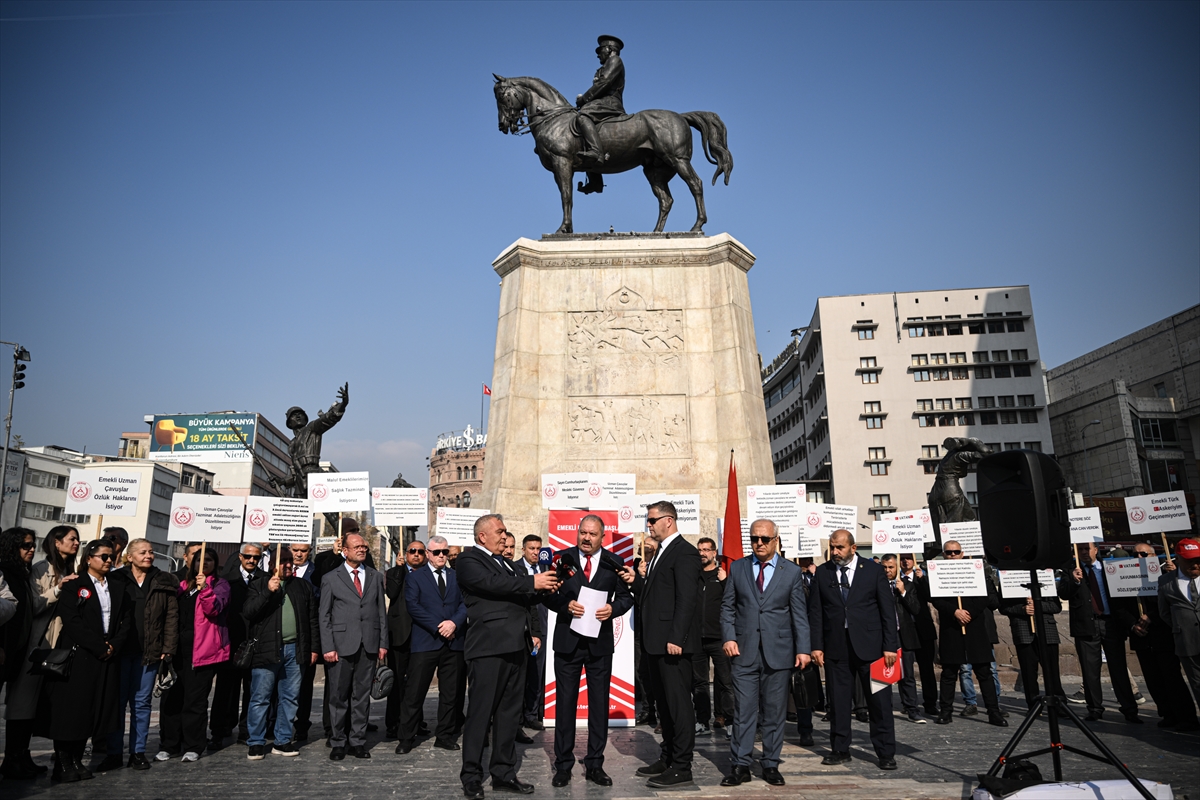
point(713, 138)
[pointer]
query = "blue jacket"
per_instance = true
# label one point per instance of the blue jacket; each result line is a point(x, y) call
point(429, 609)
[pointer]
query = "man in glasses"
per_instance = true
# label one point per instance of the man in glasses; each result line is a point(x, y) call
point(669, 597)
point(439, 616)
point(968, 631)
point(764, 621)
point(535, 669)
point(399, 634)
point(302, 568)
point(852, 623)
point(1154, 645)
point(231, 695)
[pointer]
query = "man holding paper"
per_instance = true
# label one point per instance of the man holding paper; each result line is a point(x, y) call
point(1020, 612)
point(586, 604)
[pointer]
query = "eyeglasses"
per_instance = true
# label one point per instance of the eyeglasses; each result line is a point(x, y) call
point(250, 558)
point(444, 552)
point(952, 552)
point(416, 550)
point(650, 522)
point(28, 545)
point(760, 539)
point(103, 556)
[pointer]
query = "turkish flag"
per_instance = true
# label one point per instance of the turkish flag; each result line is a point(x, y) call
point(486, 390)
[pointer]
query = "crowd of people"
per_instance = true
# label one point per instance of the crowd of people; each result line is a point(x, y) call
point(93, 632)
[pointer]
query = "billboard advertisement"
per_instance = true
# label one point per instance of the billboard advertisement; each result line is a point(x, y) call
point(201, 438)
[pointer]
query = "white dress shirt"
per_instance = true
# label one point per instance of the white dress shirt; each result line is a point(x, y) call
point(105, 600)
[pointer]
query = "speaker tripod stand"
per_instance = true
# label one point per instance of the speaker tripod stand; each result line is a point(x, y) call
point(1054, 703)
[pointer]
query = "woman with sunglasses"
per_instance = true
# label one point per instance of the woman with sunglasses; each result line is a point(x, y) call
point(17, 546)
point(95, 621)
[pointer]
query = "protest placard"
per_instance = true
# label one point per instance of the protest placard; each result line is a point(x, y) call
point(405, 507)
point(631, 514)
point(969, 536)
point(278, 520)
point(959, 578)
point(609, 489)
point(780, 504)
point(457, 525)
point(918, 517)
point(1085, 525)
point(821, 520)
point(745, 537)
point(897, 536)
point(1157, 513)
point(1132, 577)
point(1011, 581)
point(687, 506)
point(111, 492)
point(800, 546)
point(339, 491)
point(206, 518)
point(565, 490)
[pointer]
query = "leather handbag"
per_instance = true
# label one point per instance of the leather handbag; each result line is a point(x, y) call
point(381, 686)
point(52, 663)
point(165, 678)
point(244, 656)
point(806, 687)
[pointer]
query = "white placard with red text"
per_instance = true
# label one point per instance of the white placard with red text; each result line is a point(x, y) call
point(111, 492)
point(919, 517)
point(457, 525)
point(206, 518)
point(1132, 577)
point(960, 578)
point(339, 491)
point(783, 505)
point(1011, 581)
point(405, 507)
point(821, 520)
point(969, 535)
point(565, 490)
point(1157, 513)
point(687, 506)
point(888, 536)
point(278, 520)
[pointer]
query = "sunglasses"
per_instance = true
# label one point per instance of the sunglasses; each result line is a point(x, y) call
point(445, 552)
point(416, 550)
point(650, 521)
point(28, 545)
point(250, 558)
point(760, 539)
point(952, 552)
point(103, 556)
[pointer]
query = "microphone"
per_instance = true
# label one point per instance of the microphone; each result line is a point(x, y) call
point(565, 566)
point(545, 559)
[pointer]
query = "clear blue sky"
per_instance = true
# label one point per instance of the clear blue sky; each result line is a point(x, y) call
point(241, 206)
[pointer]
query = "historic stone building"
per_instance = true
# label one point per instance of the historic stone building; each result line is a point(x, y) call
point(456, 469)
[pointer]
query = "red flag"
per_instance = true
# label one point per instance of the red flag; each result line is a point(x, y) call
point(731, 541)
point(486, 390)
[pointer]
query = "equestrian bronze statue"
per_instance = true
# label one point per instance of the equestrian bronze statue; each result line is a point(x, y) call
point(597, 137)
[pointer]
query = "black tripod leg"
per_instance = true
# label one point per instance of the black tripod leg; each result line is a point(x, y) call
point(1108, 754)
point(1055, 737)
point(1026, 724)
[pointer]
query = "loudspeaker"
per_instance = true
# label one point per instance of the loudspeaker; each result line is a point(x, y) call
point(1023, 502)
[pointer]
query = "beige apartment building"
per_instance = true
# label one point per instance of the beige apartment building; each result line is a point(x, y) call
point(862, 398)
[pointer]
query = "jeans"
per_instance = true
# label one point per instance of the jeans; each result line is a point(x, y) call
point(262, 683)
point(137, 691)
point(968, 685)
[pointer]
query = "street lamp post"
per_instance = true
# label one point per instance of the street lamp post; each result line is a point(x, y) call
point(1087, 472)
point(20, 354)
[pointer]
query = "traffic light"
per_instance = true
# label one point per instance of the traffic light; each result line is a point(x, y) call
point(18, 375)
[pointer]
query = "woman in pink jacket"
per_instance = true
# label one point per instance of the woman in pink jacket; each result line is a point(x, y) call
point(203, 644)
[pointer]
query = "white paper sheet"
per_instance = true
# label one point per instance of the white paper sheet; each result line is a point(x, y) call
point(592, 601)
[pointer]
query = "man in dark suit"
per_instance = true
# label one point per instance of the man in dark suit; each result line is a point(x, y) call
point(535, 670)
point(438, 618)
point(669, 597)
point(764, 620)
point(354, 636)
point(908, 608)
point(399, 632)
point(852, 622)
point(595, 569)
point(1154, 645)
point(498, 595)
point(1179, 605)
point(304, 569)
point(231, 696)
point(915, 578)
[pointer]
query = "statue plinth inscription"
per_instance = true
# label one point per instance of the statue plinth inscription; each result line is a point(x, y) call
point(624, 355)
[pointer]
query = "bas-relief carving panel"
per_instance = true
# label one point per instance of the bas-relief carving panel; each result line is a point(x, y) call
point(649, 426)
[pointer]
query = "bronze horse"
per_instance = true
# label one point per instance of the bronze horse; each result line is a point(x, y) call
point(657, 141)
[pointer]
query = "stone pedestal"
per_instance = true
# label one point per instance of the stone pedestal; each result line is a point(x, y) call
point(624, 355)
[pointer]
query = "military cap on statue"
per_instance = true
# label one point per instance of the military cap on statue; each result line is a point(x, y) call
point(606, 40)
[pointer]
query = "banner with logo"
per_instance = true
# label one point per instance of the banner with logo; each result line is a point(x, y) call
point(339, 491)
point(457, 525)
point(1085, 525)
point(1132, 577)
point(891, 536)
point(783, 505)
point(969, 535)
point(1157, 513)
point(564, 526)
point(405, 507)
point(111, 492)
point(821, 520)
point(961, 578)
point(918, 517)
point(687, 507)
point(1011, 581)
point(564, 490)
point(621, 689)
point(278, 520)
point(206, 518)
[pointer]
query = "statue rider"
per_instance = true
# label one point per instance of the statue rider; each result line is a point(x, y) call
point(305, 447)
point(947, 503)
point(598, 103)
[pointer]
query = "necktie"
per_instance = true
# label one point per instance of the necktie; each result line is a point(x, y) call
point(845, 585)
point(357, 584)
point(503, 564)
point(441, 583)
point(587, 568)
point(1195, 594)
point(762, 569)
point(1094, 591)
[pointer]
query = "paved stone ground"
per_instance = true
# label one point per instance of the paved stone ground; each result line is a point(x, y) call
point(936, 762)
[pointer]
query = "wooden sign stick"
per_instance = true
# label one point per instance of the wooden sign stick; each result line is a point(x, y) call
point(100, 526)
point(278, 563)
point(1075, 547)
point(964, 627)
point(1167, 549)
point(203, 548)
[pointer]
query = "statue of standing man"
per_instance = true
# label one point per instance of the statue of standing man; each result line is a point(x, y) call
point(305, 447)
point(602, 101)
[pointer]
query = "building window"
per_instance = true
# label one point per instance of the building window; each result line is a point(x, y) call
point(870, 377)
point(879, 469)
point(939, 358)
point(881, 501)
point(987, 418)
point(930, 451)
point(1012, 445)
point(975, 327)
point(1160, 390)
point(999, 355)
point(187, 479)
point(1025, 400)
point(983, 373)
point(872, 407)
point(1020, 355)
point(921, 375)
point(816, 496)
point(459, 474)
point(924, 405)
point(1007, 401)
point(1021, 371)
point(1008, 418)
point(868, 362)
point(979, 357)
point(916, 331)
point(1034, 446)
point(926, 421)
point(876, 453)
point(987, 402)
point(466, 500)
point(940, 374)
point(946, 420)
point(954, 329)
point(960, 373)
point(1016, 326)
point(76, 519)
point(41, 511)
point(962, 402)
point(920, 360)
point(874, 422)
point(50, 480)
point(944, 404)
point(958, 358)
point(966, 419)
point(1157, 432)
point(1002, 371)
point(973, 499)
point(162, 490)
point(866, 333)
point(157, 519)
point(458, 501)
point(473, 473)
point(995, 327)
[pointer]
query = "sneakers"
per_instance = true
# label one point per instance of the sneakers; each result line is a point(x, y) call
point(703, 730)
point(1078, 698)
point(286, 749)
point(190, 757)
point(163, 755)
point(256, 752)
point(917, 717)
point(1138, 698)
point(969, 711)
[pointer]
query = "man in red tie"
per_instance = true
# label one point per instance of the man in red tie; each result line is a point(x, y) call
point(354, 638)
point(575, 651)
